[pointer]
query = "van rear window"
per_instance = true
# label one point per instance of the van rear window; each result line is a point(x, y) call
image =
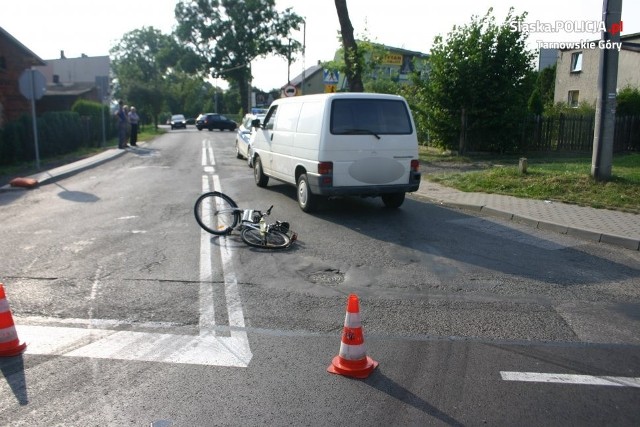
point(370, 116)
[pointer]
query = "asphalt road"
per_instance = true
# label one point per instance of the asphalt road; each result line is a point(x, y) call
point(134, 316)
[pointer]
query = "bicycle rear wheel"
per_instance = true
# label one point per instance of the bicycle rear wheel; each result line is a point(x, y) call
point(216, 213)
point(273, 239)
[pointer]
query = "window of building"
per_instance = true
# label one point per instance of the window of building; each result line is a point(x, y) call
point(574, 98)
point(576, 62)
point(3, 63)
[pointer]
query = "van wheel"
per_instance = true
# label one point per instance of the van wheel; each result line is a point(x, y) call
point(238, 155)
point(306, 199)
point(393, 200)
point(261, 179)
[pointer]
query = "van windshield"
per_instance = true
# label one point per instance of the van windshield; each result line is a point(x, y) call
point(370, 117)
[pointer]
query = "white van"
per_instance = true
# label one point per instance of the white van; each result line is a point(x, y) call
point(339, 144)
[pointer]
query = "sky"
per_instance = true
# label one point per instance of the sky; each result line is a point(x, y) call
point(88, 27)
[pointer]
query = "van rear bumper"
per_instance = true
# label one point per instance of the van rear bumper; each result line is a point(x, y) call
point(319, 187)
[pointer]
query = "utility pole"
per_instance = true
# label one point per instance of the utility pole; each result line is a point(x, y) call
point(304, 47)
point(215, 94)
point(250, 100)
point(605, 120)
point(289, 63)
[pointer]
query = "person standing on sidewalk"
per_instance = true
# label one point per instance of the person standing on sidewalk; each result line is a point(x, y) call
point(123, 124)
point(134, 119)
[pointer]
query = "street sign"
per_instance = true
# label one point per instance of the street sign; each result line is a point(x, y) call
point(330, 77)
point(290, 90)
point(32, 84)
point(330, 88)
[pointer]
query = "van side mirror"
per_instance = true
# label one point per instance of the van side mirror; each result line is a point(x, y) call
point(255, 123)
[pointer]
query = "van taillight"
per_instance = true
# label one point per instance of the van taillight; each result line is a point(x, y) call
point(325, 168)
point(415, 165)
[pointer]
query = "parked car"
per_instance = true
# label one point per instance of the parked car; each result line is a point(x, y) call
point(213, 121)
point(178, 121)
point(244, 135)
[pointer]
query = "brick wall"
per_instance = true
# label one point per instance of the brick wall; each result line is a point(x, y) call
point(13, 61)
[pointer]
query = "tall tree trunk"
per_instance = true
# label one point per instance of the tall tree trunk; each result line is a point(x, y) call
point(243, 83)
point(351, 56)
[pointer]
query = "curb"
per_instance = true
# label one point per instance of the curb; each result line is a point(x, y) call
point(68, 170)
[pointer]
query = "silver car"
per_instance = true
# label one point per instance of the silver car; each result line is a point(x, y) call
point(243, 137)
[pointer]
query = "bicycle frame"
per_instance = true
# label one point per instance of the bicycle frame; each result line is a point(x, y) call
point(249, 222)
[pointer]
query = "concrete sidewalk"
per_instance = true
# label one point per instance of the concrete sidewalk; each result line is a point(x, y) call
point(64, 171)
point(599, 225)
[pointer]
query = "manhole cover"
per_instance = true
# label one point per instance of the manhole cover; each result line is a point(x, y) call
point(326, 277)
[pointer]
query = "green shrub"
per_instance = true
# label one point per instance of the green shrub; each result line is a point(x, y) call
point(628, 102)
point(562, 108)
point(92, 114)
point(16, 141)
point(60, 133)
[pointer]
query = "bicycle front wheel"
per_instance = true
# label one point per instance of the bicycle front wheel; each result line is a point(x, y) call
point(216, 213)
point(273, 239)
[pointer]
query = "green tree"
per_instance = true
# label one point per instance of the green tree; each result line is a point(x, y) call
point(142, 61)
point(546, 84)
point(479, 84)
point(228, 34)
point(370, 56)
point(541, 98)
point(382, 85)
point(191, 95)
point(535, 102)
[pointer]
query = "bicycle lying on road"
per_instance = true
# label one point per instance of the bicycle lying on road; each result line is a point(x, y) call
point(218, 214)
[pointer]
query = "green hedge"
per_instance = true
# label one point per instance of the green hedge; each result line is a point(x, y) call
point(58, 133)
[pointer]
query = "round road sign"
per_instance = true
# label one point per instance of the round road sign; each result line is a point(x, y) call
point(290, 90)
point(32, 84)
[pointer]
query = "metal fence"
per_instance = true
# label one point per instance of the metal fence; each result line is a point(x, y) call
point(575, 133)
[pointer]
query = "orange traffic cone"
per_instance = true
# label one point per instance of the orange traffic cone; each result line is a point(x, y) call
point(9, 343)
point(352, 360)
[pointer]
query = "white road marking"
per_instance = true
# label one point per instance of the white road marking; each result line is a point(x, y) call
point(207, 317)
point(95, 286)
point(571, 379)
point(98, 323)
point(205, 348)
point(140, 346)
